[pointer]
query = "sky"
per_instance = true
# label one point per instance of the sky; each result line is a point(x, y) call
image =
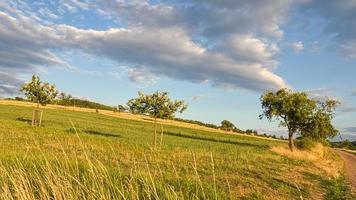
point(217, 55)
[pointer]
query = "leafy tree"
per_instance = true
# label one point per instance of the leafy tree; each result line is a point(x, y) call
point(227, 125)
point(292, 109)
point(39, 92)
point(319, 126)
point(156, 105)
point(300, 114)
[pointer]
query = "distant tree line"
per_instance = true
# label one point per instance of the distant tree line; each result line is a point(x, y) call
point(197, 123)
point(228, 126)
point(345, 144)
point(68, 100)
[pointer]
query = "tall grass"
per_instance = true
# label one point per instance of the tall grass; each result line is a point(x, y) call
point(88, 178)
point(102, 157)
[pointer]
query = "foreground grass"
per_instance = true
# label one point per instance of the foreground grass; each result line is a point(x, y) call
point(77, 155)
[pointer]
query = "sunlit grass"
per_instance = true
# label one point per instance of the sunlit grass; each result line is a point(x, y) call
point(79, 155)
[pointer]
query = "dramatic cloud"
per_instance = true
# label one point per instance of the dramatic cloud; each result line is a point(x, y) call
point(297, 47)
point(170, 48)
point(23, 49)
point(174, 55)
point(207, 18)
point(9, 85)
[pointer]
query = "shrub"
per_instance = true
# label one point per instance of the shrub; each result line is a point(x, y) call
point(305, 143)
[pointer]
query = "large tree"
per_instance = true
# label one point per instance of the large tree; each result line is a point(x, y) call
point(39, 92)
point(156, 105)
point(300, 114)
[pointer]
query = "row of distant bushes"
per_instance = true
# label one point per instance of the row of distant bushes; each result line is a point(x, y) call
point(234, 129)
point(346, 144)
point(82, 103)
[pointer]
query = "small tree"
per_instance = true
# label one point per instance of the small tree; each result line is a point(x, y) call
point(227, 125)
point(292, 109)
point(156, 105)
point(39, 92)
point(65, 99)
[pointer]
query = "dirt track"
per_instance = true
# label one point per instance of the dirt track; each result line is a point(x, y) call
point(350, 161)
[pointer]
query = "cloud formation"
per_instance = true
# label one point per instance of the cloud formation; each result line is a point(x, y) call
point(24, 48)
point(297, 46)
point(340, 18)
point(158, 40)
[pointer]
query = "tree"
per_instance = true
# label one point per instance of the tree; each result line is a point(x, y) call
point(227, 125)
point(156, 105)
point(39, 92)
point(294, 110)
point(320, 126)
point(300, 114)
point(65, 99)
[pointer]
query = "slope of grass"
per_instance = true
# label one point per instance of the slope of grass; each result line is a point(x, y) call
point(79, 155)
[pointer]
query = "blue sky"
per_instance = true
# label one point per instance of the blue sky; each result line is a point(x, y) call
point(219, 56)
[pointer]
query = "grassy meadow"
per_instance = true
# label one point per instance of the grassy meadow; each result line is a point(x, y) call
point(82, 155)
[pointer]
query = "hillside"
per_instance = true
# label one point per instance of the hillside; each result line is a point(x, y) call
point(82, 154)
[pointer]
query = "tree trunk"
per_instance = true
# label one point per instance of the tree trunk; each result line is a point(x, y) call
point(160, 144)
point(155, 134)
point(291, 141)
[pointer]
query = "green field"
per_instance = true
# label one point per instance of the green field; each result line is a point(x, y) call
point(77, 155)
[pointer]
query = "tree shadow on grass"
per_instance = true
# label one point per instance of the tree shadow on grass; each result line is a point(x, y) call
point(228, 141)
point(21, 119)
point(147, 119)
point(93, 132)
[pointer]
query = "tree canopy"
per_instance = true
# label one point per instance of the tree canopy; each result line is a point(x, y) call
point(319, 125)
point(39, 92)
point(227, 125)
point(299, 113)
point(156, 105)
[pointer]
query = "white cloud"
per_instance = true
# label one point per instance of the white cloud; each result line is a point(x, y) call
point(297, 46)
point(163, 38)
point(176, 56)
point(24, 48)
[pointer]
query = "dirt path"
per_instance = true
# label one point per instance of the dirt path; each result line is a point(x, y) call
point(350, 161)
